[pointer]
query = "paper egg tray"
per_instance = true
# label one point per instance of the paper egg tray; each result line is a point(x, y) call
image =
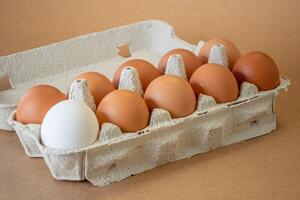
point(116, 156)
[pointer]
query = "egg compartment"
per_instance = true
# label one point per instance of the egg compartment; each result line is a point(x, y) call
point(116, 156)
point(28, 135)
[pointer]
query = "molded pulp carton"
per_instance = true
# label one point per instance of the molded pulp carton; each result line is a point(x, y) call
point(116, 156)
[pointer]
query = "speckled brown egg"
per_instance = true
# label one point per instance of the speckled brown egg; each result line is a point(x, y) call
point(35, 103)
point(257, 68)
point(216, 81)
point(147, 72)
point(233, 53)
point(98, 84)
point(171, 93)
point(190, 60)
point(125, 109)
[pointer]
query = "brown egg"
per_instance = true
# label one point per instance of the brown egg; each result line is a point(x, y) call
point(216, 81)
point(171, 93)
point(147, 72)
point(36, 102)
point(190, 60)
point(98, 84)
point(124, 108)
point(257, 68)
point(233, 53)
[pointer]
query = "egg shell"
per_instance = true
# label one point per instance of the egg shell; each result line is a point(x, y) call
point(216, 81)
point(190, 60)
point(98, 84)
point(35, 103)
point(233, 53)
point(257, 68)
point(171, 93)
point(69, 125)
point(125, 109)
point(147, 71)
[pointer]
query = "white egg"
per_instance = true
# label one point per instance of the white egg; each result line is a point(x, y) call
point(69, 125)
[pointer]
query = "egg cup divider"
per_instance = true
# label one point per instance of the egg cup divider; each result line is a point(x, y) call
point(217, 55)
point(129, 80)
point(198, 47)
point(175, 66)
point(116, 156)
point(80, 92)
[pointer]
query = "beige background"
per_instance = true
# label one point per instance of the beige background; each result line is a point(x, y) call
point(264, 168)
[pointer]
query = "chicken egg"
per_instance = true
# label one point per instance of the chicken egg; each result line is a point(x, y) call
point(257, 68)
point(216, 81)
point(35, 103)
point(125, 109)
point(171, 93)
point(68, 125)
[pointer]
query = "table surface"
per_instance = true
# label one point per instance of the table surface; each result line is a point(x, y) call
point(267, 167)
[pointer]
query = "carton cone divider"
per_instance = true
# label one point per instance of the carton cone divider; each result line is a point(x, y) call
point(198, 47)
point(217, 55)
point(247, 90)
point(79, 91)
point(159, 116)
point(205, 102)
point(130, 80)
point(109, 131)
point(175, 66)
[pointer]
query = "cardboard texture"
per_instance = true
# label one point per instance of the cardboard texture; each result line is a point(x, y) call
point(201, 179)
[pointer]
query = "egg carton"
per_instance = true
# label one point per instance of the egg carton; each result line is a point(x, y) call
point(115, 156)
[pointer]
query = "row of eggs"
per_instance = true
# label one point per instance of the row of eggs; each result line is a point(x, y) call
point(69, 124)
